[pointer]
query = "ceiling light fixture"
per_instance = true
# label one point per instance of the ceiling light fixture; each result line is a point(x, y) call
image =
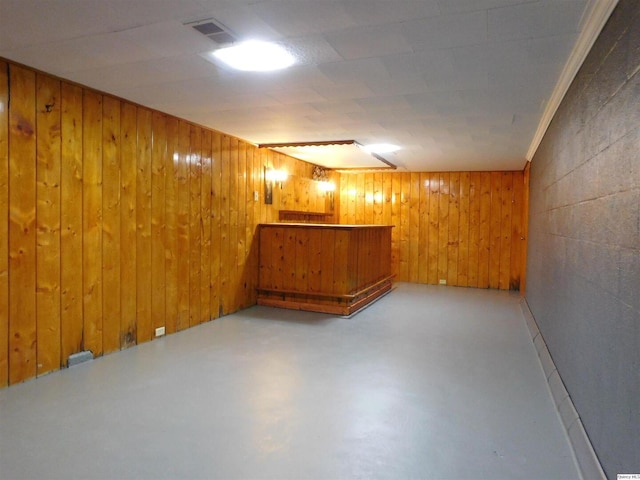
point(381, 148)
point(333, 154)
point(255, 56)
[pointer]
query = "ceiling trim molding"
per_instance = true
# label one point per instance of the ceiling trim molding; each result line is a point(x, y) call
point(306, 144)
point(598, 15)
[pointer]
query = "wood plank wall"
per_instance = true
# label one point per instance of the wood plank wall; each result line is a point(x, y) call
point(116, 219)
point(465, 228)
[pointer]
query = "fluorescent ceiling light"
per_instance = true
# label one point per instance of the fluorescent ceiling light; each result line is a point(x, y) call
point(381, 148)
point(255, 56)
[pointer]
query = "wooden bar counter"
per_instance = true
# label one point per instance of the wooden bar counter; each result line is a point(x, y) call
point(323, 267)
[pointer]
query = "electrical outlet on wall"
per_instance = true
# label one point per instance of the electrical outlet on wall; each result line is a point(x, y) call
point(443, 281)
point(159, 331)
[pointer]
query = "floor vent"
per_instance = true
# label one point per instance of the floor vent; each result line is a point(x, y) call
point(213, 30)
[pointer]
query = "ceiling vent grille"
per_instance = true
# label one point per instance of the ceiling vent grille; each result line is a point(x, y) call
point(214, 31)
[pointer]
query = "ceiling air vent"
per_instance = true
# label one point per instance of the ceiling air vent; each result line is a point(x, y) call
point(213, 31)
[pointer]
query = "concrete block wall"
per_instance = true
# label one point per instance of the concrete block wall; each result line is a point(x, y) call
point(583, 263)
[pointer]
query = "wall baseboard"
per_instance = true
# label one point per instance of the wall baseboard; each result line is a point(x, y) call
point(584, 455)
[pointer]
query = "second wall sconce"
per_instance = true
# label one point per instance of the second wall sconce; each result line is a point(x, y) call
point(270, 176)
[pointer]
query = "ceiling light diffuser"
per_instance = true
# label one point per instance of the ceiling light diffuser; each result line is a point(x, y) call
point(381, 148)
point(255, 56)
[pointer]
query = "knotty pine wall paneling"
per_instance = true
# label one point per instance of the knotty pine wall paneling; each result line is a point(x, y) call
point(195, 205)
point(183, 212)
point(474, 228)
point(171, 225)
point(71, 323)
point(48, 223)
point(4, 225)
point(205, 205)
point(22, 225)
point(111, 217)
point(232, 265)
point(143, 223)
point(464, 228)
point(116, 220)
point(225, 268)
point(158, 221)
point(128, 225)
point(92, 221)
point(216, 225)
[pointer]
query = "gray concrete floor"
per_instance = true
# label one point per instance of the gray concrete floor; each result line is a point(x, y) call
point(429, 382)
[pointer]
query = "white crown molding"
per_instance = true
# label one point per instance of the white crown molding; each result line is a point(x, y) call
point(597, 16)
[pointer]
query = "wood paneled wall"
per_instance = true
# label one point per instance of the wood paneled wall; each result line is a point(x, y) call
point(461, 227)
point(116, 219)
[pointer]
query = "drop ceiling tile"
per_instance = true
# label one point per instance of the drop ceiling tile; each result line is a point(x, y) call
point(336, 107)
point(193, 93)
point(363, 129)
point(517, 79)
point(367, 42)
point(396, 86)
point(385, 103)
point(303, 112)
point(380, 12)
point(555, 49)
point(296, 96)
point(377, 117)
point(90, 17)
point(416, 64)
point(433, 103)
point(167, 39)
point(472, 60)
point(407, 121)
point(67, 56)
point(459, 6)
point(450, 74)
point(129, 75)
point(531, 20)
point(450, 81)
point(308, 76)
point(252, 99)
point(311, 50)
point(294, 18)
point(145, 12)
point(447, 31)
point(291, 78)
point(117, 77)
point(344, 91)
point(355, 70)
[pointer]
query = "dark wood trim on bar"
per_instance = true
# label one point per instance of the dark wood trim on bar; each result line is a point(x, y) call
point(325, 294)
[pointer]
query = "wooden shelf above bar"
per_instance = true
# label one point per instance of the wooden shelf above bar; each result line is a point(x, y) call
point(300, 216)
point(328, 268)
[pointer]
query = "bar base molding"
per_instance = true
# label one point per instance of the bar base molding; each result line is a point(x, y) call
point(345, 305)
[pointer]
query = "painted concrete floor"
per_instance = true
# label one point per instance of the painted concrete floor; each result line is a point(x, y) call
point(429, 382)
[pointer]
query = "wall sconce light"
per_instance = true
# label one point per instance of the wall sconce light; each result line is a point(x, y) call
point(328, 188)
point(277, 176)
point(271, 175)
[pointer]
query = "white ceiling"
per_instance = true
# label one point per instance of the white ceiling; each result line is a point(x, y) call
point(459, 84)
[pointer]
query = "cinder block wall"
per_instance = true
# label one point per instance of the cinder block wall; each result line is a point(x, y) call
point(583, 278)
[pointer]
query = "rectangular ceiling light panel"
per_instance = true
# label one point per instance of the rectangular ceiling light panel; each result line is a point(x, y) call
point(344, 155)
